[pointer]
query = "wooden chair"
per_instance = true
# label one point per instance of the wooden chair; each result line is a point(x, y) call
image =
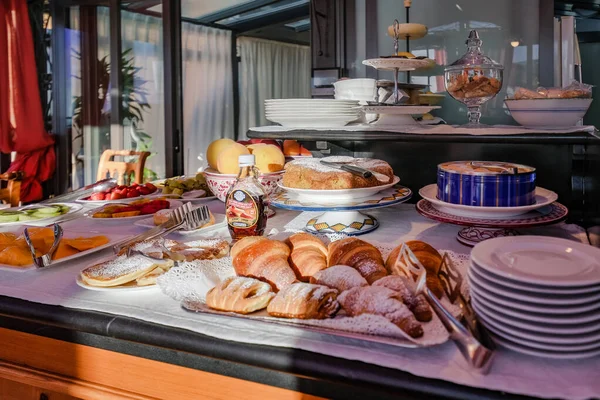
point(11, 194)
point(122, 170)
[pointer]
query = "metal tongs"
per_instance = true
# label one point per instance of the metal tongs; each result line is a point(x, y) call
point(182, 217)
point(45, 259)
point(473, 342)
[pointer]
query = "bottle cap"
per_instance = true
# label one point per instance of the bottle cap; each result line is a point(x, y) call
point(246, 160)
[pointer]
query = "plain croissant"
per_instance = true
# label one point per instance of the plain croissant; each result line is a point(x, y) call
point(428, 256)
point(264, 259)
point(305, 301)
point(240, 295)
point(358, 254)
point(308, 256)
point(404, 287)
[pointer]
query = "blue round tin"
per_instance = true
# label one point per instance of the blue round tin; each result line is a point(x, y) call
point(486, 183)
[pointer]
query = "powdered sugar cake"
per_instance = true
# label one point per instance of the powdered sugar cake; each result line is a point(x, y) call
point(120, 270)
point(309, 173)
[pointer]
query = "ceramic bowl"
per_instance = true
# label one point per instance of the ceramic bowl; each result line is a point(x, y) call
point(548, 112)
point(220, 184)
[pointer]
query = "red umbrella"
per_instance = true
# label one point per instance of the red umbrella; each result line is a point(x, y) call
point(21, 121)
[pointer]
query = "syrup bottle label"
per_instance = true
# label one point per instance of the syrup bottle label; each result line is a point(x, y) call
point(242, 210)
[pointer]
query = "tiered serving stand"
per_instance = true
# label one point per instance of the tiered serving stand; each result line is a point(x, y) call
point(484, 223)
point(397, 113)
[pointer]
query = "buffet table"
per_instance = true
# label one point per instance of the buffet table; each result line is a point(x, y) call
point(42, 311)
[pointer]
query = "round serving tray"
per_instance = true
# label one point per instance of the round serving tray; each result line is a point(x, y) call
point(400, 64)
point(474, 234)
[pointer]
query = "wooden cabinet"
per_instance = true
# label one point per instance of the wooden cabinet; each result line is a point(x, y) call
point(31, 365)
point(12, 390)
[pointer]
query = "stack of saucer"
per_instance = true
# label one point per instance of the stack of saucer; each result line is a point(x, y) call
point(538, 295)
point(312, 113)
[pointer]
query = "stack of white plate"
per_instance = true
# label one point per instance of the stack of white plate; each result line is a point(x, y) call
point(312, 113)
point(538, 295)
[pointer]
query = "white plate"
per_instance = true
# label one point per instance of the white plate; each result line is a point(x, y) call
point(572, 355)
point(101, 202)
point(336, 115)
point(518, 296)
point(403, 64)
point(531, 288)
point(220, 222)
point(122, 288)
point(71, 234)
point(565, 325)
point(586, 341)
point(543, 197)
point(314, 102)
point(485, 295)
point(313, 122)
point(89, 214)
point(540, 260)
point(337, 195)
point(73, 208)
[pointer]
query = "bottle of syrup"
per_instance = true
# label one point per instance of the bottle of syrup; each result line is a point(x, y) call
point(245, 204)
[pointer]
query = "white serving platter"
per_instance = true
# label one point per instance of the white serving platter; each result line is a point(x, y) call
point(73, 209)
point(543, 197)
point(113, 239)
point(220, 222)
point(340, 196)
point(89, 214)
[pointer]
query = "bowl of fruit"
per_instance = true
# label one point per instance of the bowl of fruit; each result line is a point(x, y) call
point(120, 194)
point(223, 156)
point(137, 209)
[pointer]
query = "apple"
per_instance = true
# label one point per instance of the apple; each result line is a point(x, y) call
point(265, 141)
point(245, 142)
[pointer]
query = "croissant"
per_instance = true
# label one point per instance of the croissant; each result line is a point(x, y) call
point(240, 294)
point(339, 277)
point(429, 257)
point(358, 254)
point(381, 301)
point(404, 287)
point(308, 255)
point(304, 301)
point(264, 259)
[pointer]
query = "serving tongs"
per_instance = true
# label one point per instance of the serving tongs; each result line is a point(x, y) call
point(100, 186)
point(183, 217)
point(473, 341)
point(358, 171)
point(45, 259)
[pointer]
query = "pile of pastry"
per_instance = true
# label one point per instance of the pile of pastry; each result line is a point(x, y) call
point(149, 260)
point(302, 278)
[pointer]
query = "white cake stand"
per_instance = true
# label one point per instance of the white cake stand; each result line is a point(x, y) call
point(397, 115)
point(345, 217)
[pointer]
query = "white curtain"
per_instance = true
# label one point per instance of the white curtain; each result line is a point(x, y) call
point(269, 70)
point(207, 91)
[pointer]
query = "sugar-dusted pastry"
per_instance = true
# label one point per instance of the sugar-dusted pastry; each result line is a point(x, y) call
point(304, 301)
point(404, 287)
point(382, 301)
point(240, 295)
point(204, 249)
point(264, 259)
point(121, 270)
point(358, 254)
point(308, 255)
point(309, 173)
point(339, 277)
point(428, 256)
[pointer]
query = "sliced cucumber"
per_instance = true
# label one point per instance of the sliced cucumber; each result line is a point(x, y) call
point(10, 216)
point(24, 217)
point(48, 210)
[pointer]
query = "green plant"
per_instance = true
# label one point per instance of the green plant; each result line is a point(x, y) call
point(133, 102)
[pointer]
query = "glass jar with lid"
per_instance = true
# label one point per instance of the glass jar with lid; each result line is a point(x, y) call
point(473, 79)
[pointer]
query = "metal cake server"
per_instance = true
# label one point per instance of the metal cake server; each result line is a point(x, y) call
point(362, 172)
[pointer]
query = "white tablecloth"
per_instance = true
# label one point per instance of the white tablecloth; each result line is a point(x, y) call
point(511, 372)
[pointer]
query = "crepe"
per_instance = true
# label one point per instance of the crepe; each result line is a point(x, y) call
point(121, 270)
